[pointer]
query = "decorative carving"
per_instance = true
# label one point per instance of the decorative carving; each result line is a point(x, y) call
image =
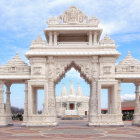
point(107, 69)
point(93, 21)
point(15, 66)
point(38, 42)
point(73, 16)
point(129, 64)
point(51, 102)
point(37, 70)
point(53, 20)
point(51, 68)
point(51, 106)
point(107, 40)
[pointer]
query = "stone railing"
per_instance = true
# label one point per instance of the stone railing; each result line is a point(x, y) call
point(72, 43)
point(70, 112)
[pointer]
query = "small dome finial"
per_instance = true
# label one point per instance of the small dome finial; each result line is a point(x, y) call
point(128, 54)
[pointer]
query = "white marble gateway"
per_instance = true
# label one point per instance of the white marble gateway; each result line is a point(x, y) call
point(72, 40)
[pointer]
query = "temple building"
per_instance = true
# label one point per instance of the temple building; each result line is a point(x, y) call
point(72, 103)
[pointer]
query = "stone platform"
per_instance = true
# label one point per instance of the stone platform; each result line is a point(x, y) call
point(72, 117)
point(70, 130)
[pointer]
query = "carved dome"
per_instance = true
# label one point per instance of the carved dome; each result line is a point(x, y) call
point(71, 90)
point(16, 61)
point(107, 40)
point(128, 64)
point(38, 41)
point(129, 60)
point(79, 91)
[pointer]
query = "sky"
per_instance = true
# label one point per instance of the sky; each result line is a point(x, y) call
point(21, 21)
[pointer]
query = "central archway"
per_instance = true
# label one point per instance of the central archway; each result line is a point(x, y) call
point(72, 106)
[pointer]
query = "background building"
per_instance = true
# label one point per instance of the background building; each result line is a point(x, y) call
point(72, 103)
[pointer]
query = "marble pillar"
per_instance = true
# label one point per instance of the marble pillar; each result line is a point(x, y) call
point(2, 111)
point(90, 38)
point(8, 104)
point(95, 38)
point(119, 108)
point(93, 101)
point(50, 38)
point(55, 38)
point(25, 116)
point(75, 106)
point(109, 101)
point(136, 119)
point(51, 101)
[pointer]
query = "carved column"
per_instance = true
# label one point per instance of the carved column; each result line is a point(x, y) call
point(8, 103)
point(68, 105)
point(109, 101)
point(1, 98)
point(50, 38)
point(35, 101)
point(55, 38)
point(119, 98)
point(95, 38)
point(93, 102)
point(75, 107)
point(90, 38)
point(52, 102)
point(114, 99)
point(136, 120)
point(45, 105)
point(51, 91)
point(25, 116)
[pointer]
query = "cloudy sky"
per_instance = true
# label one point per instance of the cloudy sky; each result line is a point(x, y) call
point(21, 21)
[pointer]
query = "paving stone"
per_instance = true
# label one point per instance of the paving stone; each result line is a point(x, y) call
point(70, 130)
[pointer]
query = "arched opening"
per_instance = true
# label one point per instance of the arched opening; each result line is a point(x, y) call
point(72, 94)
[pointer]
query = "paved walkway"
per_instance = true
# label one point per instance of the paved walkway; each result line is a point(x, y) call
point(70, 130)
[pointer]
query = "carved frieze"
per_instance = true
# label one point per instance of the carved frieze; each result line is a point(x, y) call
point(107, 69)
point(37, 70)
point(128, 65)
point(72, 16)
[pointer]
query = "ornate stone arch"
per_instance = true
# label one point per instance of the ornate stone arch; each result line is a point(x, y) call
point(85, 70)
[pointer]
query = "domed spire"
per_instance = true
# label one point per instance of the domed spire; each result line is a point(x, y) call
point(129, 60)
point(129, 55)
point(79, 90)
point(71, 90)
point(64, 91)
point(107, 40)
point(16, 61)
point(38, 40)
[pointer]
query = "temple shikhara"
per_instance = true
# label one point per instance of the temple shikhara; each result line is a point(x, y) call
point(72, 40)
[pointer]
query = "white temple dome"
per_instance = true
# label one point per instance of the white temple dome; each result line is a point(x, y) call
point(71, 90)
point(79, 91)
point(64, 91)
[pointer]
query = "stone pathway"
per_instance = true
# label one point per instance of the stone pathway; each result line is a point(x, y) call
point(70, 130)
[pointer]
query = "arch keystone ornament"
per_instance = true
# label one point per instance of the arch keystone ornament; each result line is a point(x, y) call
point(72, 40)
